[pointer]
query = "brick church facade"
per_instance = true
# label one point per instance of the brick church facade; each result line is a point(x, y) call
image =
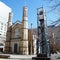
point(17, 35)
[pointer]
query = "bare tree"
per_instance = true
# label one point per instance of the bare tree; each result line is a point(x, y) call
point(53, 7)
point(53, 4)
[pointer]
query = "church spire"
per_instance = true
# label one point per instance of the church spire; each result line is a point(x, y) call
point(25, 17)
point(25, 10)
point(10, 20)
point(25, 30)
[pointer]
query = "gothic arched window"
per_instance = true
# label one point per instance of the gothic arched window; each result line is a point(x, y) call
point(16, 32)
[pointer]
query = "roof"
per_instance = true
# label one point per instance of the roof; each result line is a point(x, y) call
point(17, 22)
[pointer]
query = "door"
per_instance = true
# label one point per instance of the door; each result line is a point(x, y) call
point(15, 48)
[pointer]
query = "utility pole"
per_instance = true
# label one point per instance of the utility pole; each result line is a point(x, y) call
point(31, 40)
point(54, 48)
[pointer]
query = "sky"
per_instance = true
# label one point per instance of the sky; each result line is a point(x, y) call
point(17, 9)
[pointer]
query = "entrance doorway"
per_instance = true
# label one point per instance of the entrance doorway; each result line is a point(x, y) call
point(15, 48)
point(1, 49)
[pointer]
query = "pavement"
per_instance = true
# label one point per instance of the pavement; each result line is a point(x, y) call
point(55, 56)
point(29, 57)
point(18, 57)
point(15, 59)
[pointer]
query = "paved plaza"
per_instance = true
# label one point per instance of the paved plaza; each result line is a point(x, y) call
point(29, 57)
point(18, 57)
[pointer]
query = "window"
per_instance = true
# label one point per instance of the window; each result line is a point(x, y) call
point(0, 34)
point(4, 33)
point(1, 26)
point(5, 27)
point(41, 12)
point(1, 44)
point(16, 32)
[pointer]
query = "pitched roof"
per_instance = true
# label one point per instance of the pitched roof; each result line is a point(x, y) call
point(17, 22)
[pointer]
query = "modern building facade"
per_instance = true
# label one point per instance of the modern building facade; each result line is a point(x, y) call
point(4, 12)
point(17, 35)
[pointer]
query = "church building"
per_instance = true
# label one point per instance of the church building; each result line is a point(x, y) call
point(17, 35)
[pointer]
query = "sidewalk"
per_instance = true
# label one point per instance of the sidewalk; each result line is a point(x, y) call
point(55, 56)
point(18, 57)
point(29, 57)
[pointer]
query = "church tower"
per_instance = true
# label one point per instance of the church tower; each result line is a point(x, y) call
point(8, 34)
point(9, 20)
point(25, 30)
